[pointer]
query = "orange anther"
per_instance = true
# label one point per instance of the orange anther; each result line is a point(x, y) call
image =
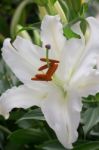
point(43, 77)
point(34, 78)
point(50, 60)
point(43, 67)
point(51, 70)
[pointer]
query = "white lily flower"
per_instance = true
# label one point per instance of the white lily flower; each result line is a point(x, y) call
point(77, 75)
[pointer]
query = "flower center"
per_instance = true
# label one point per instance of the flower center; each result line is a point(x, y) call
point(51, 65)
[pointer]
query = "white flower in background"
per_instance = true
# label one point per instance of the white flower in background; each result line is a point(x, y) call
point(59, 96)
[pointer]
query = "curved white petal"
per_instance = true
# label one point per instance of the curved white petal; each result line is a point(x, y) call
point(77, 51)
point(70, 57)
point(85, 68)
point(52, 33)
point(18, 97)
point(63, 115)
point(86, 76)
point(21, 65)
point(92, 42)
point(28, 50)
point(71, 54)
point(88, 84)
point(39, 86)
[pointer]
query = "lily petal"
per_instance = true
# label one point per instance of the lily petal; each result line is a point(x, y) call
point(71, 53)
point(28, 50)
point(76, 51)
point(62, 115)
point(85, 67)
point(18, 97)
point(92, 42)
point(70, 57)
point(52, 33)
point(88, 84)
point(21, 65)
point(86, 76)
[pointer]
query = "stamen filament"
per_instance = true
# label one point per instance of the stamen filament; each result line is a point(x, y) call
point(47, 57)
point(51, 66)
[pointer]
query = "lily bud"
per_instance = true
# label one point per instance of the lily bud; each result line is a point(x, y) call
point(84, 1)
point(52, 10)
point(60, 11)
point(42, 11)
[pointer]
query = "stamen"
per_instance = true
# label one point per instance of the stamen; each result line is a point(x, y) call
point(51, 70)
point(43, 77)
point(34, 78)
point(40, 78)
point(43, 67)
point(48, 75)
point(51, 65)
point(50, 60)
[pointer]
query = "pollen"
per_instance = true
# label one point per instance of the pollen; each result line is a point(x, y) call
point(50, 60)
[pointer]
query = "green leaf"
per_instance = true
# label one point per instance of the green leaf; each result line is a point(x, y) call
point(13, 146)
point(51, 145)
point(83, 9)
point(71, 13)
point(7, 78)
point(40, 2)
point(95, 134)
point(90, 118)
point(3, 26)
point(35, 114)
point(24, 136)
point(52, 1)
point(70, 34)
point(76, 5)
point(88, 146)
point(97, 97)
point(65, 8)
point(83, 26)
